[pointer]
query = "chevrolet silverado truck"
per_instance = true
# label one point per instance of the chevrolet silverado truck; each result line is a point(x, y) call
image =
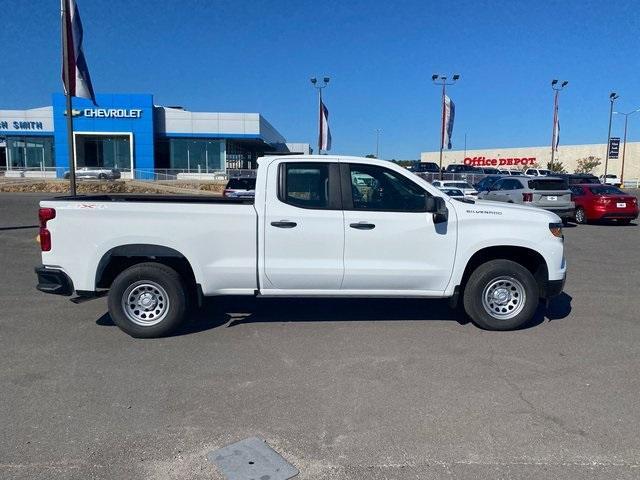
point(319, 226)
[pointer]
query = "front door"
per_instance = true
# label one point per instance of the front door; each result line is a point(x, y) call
point(391, 243)
point(303, 232)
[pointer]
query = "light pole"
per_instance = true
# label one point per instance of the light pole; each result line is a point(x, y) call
point(554, 134)
point(438, 79)
point(624, 143)
point(612, 98)
point(319, 87)
point(378, 132)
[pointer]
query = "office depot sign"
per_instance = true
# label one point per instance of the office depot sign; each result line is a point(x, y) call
point(499, 162)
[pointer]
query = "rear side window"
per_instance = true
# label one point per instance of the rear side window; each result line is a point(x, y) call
point(577, 191)
point(305, 184)
point(543, 184)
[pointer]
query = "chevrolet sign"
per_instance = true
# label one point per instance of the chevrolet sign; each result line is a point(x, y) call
point(107, 113)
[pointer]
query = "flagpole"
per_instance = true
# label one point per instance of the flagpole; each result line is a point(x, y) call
point(69, 111)
point(442, 130)
point(553, 129)
point(319, 121)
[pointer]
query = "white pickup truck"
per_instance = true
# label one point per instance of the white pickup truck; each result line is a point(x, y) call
point(319, 226)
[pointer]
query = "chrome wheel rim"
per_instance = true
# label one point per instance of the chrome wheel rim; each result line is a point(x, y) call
point(145, 303)
point(504, 297)
point(579, 215)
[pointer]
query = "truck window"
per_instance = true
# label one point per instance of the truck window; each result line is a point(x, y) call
point(305, 184)
point(381, 189)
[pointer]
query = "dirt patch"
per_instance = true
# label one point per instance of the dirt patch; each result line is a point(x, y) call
point(118, 186)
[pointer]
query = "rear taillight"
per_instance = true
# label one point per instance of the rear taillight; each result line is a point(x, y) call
point(527, 197)
point(44, 236)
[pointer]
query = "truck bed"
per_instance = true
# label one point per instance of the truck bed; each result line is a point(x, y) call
point(153, 198)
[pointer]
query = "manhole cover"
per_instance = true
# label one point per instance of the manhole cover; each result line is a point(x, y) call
point(251, 459)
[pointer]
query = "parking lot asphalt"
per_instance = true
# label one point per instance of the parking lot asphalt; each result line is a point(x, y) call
point(355, 389)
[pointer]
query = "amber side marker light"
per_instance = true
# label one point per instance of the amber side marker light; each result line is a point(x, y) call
point(556, 229)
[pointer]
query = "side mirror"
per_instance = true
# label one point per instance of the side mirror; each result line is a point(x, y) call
point(438, 207)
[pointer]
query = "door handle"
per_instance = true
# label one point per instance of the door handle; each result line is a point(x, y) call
point(284, 224)
point(362, 226)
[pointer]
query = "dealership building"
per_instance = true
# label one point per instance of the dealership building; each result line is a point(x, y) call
point(526, 157)
point(130, 133)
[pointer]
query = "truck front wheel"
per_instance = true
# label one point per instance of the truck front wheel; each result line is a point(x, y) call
point(148, 300)
point(501, 295)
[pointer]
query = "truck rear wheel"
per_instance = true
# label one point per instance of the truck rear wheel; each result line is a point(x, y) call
point(148, 300)
point(501, 295)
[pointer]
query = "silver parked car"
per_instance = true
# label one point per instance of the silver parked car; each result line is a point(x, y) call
point(550, 193)
point(95, 173)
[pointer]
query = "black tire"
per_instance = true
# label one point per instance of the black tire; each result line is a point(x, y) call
point(156, 281)
point(580, 215)
point(624, 221)
point(102, 176)
point(513, 274)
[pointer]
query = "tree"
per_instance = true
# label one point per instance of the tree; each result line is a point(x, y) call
point(370, 155)
point(556, 167)
point(588, 164)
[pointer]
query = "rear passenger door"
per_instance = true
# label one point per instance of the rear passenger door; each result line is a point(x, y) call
point(303, 227)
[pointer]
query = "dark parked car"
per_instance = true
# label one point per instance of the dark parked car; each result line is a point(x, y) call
point(579, 178)
point(461, 168)
point(424, 167)
point(490, 171)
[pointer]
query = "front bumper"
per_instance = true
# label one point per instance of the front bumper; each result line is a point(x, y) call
point(563, 212)
point(553, 288)
point(51, 280)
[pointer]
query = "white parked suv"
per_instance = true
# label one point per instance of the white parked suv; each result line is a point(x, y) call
point(323, 226)
point(466, 188)
point(610, 180)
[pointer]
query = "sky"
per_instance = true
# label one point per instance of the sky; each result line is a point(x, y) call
point(258, 56)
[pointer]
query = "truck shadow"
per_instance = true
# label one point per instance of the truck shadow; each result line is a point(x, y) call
point(228, 312)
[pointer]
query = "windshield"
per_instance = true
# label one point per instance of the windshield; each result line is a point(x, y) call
point(606, 190)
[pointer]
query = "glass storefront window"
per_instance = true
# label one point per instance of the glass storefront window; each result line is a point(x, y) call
point(29, 152)
point(103, 151)
point(196, 154)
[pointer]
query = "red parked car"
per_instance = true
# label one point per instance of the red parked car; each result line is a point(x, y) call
point(603, 202)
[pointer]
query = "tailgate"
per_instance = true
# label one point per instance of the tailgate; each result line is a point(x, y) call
point(552, 198)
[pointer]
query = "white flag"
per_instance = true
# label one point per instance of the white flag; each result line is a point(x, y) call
point(324, 138)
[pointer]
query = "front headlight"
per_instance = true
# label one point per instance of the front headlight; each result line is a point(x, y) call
point(556, 230)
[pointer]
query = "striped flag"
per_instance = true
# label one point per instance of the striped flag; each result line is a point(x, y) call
point(555, 138)
point(448, 115)
point(324, 136)
point(79, 83)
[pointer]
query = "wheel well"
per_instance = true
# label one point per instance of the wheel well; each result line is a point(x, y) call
point(120, 258)
point(528, 258)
